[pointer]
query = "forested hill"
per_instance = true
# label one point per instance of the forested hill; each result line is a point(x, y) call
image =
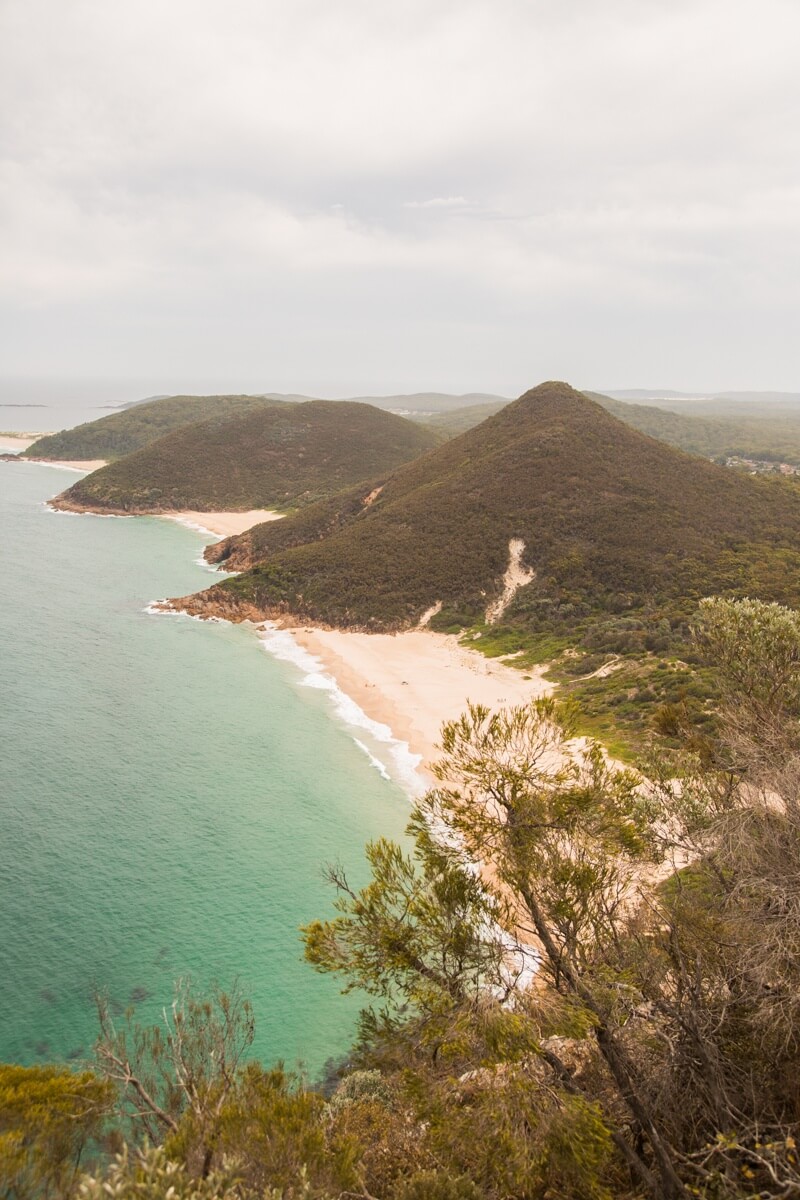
point(123, 432)
point(772, 436)
point(281, 456)
point(610, 520)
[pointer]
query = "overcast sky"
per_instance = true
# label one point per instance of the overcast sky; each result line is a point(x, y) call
point(363, 196)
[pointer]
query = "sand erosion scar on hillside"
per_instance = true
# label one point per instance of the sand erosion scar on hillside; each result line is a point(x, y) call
point(429, 614)
point(516, 576)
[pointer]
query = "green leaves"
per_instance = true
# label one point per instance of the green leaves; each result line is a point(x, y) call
point(417, 934)
point(756, 649)
point(48, 1115)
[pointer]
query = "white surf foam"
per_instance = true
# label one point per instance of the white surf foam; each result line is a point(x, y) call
point(153, 609)
point(190, 524)
point(280, 644)
point(212, 570)
point(376, 762)
point(68, 512)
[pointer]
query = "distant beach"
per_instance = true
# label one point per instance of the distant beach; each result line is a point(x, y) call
point(406, 685)
point(13, 442)
point(222, 524)
point(16, 443)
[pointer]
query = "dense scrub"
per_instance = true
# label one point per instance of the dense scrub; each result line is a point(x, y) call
point(284, 455)
point(771, 436)
point(458, 420)
point(123, 432)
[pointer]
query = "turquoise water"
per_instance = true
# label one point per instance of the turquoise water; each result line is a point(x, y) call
point(168, 790)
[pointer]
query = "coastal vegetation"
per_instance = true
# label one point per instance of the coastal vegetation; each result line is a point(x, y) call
point(415, 404)
point(278, 455)
point(458, 420)
point(725, 430)
point(138, 425)
point(610, 1012)
point(622, 534)
point(617, 528)
point(771, 436)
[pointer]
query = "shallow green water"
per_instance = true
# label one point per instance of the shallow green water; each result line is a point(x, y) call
point(168, 790)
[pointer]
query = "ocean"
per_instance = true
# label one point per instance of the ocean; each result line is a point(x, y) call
point(169, 790)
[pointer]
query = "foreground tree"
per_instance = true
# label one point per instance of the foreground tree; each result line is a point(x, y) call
point(664, 909)
point(418, 936)
point(179, 1075)
point(150, 1175)
point(49, 1116)
point(187, 1087)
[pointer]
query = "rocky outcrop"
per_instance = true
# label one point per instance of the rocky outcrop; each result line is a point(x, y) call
point(217, 603)
point(234, 553)
point(63, 503)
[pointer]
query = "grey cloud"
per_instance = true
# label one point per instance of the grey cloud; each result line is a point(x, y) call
point(465, 195)
point(439, 202)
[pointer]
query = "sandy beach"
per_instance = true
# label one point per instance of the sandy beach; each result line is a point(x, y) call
point(73, 464)
point(224, 524)
point(10, 444)
point(13, 445)
point(415, 681)
point(214, 524)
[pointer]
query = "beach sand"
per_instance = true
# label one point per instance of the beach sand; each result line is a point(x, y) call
point(74, 464)
point(12, 445)
point(223, 524)
point(415, 681)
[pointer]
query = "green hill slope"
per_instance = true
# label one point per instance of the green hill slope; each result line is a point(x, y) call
point(768, 436)
point(139, 424)
point(285, 455)
point(611, 520)
point(459, 420)
point(411, 404)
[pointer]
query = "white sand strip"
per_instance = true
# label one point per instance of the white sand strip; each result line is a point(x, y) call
point(74, 464)
point(415, 681)
point(222, 524)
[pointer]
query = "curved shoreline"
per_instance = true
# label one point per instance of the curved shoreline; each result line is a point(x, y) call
point(413, 682)
point(214, 524)
point(409, 682)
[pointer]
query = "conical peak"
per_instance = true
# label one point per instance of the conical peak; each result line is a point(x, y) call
point(552, 401)
point(551, 393)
